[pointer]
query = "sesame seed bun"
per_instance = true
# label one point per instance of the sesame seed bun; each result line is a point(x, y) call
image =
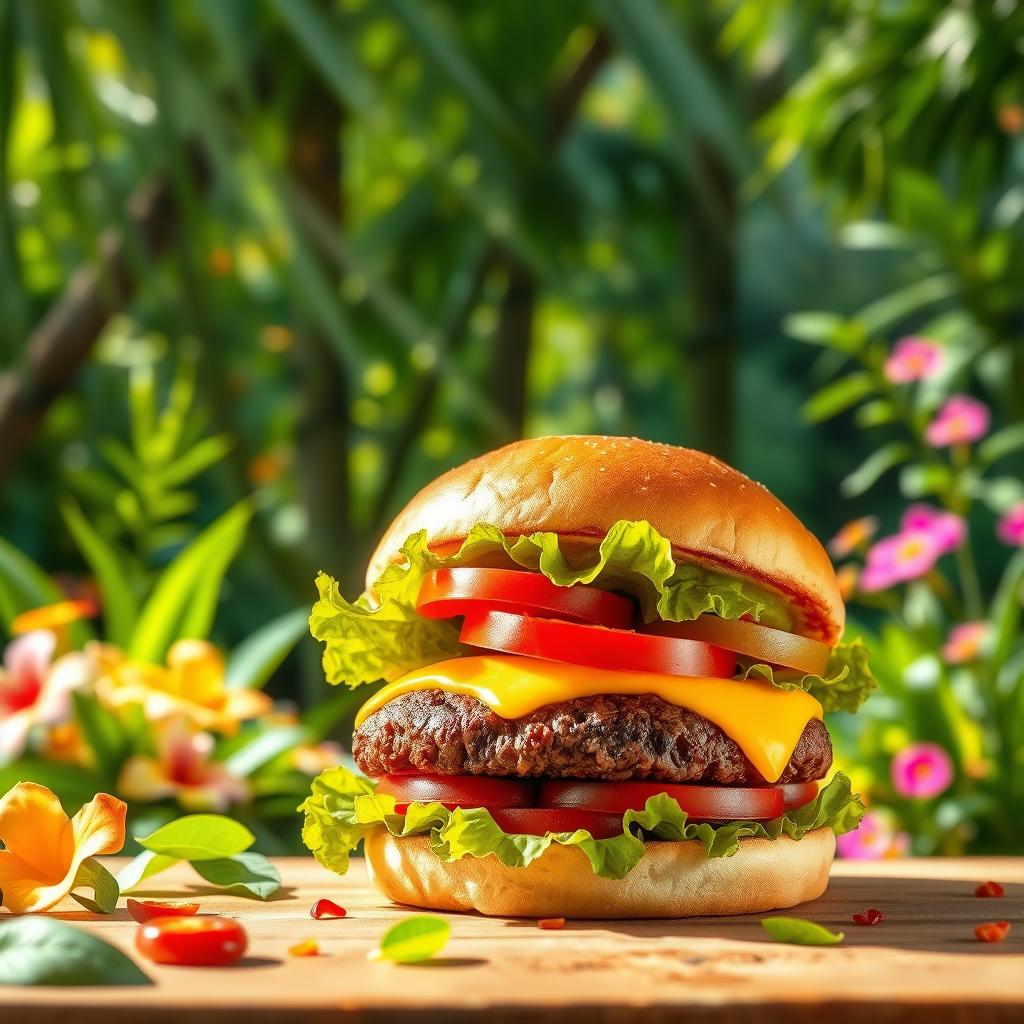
point(578, 487)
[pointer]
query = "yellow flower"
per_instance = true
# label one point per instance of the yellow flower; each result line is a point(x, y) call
point(190, 684)
point(182, 769)
point(43, 848)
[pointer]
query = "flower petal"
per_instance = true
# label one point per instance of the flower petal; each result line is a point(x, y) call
point(35, 829)
point(144, 778)
point(30, 886)
point(28, 658)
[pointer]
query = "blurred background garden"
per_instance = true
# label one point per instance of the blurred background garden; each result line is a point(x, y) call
point(268, 267)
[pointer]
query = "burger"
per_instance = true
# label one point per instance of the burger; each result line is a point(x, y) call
point(605, 664)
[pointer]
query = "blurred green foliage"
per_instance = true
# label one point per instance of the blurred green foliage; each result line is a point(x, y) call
point(393, 234)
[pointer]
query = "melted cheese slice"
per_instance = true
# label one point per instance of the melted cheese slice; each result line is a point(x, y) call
point(764, 721)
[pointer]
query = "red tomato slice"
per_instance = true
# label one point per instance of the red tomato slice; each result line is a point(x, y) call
point(192, 941)
point(446, 593)
point(702, 803)
point(594, 646)
point(774, 646)
point(537, 821)
point(145, 910)
point(458, 790)
point(796, 794)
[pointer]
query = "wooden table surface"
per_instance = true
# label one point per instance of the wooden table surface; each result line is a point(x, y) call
point(922, 964)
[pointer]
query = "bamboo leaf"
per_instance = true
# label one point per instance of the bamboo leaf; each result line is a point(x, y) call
point(838, 396)
point(871, 469)
point(1003, 442)
point(254, 660)
point(119, 602)
point(184, 599)
point(23, 584)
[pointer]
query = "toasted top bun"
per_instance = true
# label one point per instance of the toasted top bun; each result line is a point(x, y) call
point(578, 487)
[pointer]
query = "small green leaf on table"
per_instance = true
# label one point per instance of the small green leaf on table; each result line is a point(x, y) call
point(798, 932)
point(199, 837)
point(144, 866)
point(93, 875)
point(413, 940)
point(245, 874)
point(42, 951)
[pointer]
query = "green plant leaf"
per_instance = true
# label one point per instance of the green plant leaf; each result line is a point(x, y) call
point(816, 328)
point(254, 660)
point(119, 603)
point(184, 599)
point(74, 784)
point(103, 733)
point(414, 939)
point(798, 932)
point(917, 481)
point(262, 747)
point(93, 875)
point(23, 585)
point(838, 396)
point(42, 951)
point(245, 874)
point(200, 456)
point(144, 866)
point(877, 463)
point(1002, 442)
point(199, 837)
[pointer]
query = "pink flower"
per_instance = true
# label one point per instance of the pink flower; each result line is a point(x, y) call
point(965, 642)
point(854, 534)
point(35, 689)
point(961, 420)
point(947, 529)
point(913, 359)
point(906, 556)
point(1011, 526)
point(873, 839)
point(922, 770)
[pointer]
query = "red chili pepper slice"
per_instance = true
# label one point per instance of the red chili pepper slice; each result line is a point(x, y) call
point(990, 889)
point(326, 909)
point(992, 931)
point(551, 924)
point(870, 916)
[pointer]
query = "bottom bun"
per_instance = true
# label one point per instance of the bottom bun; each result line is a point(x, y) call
point(672, 880)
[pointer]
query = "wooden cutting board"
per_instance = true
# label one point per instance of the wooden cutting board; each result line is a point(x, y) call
point(922, 964)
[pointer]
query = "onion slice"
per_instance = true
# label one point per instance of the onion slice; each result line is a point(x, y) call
point(772, 646)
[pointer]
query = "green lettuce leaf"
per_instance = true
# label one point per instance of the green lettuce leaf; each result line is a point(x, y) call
point(846, 684)
point(343, 808)
point(380, 636)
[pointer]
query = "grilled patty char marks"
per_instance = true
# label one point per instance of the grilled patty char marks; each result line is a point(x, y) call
point(609, 737)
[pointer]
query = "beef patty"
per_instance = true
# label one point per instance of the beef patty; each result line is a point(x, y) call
point(603, 737)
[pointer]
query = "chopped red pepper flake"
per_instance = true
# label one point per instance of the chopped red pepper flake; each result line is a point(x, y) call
point(326, 909)
point(990, 889)
point(308, 947)
point(992, 931)
point(869, 917)
point(551, 924)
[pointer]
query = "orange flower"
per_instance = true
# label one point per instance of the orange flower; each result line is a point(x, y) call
point(191, 684)
point(853, 536)
point(43, 848)
point(53, 616)
point(183, 769)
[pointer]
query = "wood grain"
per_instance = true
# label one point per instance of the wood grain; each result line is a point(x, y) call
point(922, 964)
